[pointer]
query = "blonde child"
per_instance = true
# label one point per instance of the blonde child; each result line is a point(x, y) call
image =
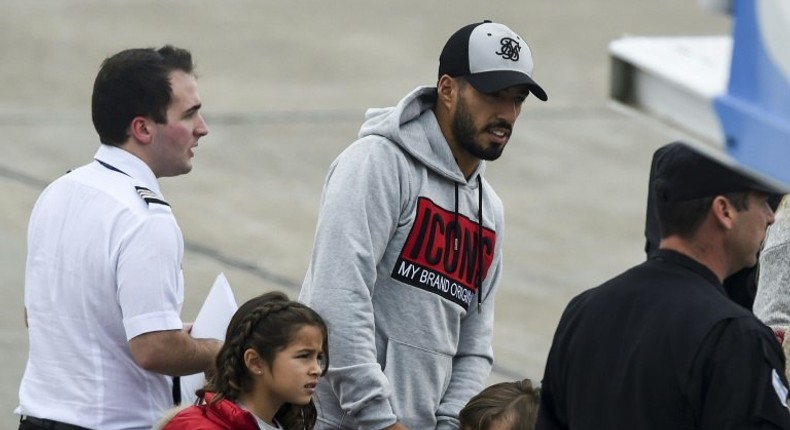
point(503, 406)
point(274, 354)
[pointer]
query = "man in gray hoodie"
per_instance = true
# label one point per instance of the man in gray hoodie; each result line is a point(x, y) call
point(408, 246)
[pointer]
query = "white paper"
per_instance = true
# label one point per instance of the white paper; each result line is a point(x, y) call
point(211, 322)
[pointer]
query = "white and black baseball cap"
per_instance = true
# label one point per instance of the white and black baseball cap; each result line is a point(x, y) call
point(491, 57)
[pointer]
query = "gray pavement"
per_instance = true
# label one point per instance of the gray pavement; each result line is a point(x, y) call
point(285, 86)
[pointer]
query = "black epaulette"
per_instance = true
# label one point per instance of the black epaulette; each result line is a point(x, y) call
point(149, 196)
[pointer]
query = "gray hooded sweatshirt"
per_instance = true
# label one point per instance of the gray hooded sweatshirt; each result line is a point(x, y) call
point(772, 303)
point(408, 339)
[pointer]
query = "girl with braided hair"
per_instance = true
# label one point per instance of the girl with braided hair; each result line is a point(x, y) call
point(265, 375)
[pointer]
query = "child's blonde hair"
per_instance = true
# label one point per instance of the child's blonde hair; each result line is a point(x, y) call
point(515, 403)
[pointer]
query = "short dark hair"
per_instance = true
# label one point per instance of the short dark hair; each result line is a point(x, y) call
point(514, 402)
point(683, 218)
point(131, 83)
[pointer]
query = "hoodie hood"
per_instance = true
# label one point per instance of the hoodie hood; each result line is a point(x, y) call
point(224, 414)
point(413, 126)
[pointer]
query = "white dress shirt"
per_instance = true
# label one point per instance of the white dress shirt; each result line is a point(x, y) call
point(103, 266)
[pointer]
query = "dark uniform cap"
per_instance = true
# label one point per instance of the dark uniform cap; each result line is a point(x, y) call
point(684, 172)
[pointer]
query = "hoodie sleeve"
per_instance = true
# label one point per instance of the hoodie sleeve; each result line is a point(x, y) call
point(475, 357)
point(772, 300)
point(360, 210)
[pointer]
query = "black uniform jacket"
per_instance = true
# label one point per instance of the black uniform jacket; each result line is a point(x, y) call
point(662, 347)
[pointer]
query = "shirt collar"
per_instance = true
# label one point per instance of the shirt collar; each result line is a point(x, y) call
point(683, 260)
point(129, 164)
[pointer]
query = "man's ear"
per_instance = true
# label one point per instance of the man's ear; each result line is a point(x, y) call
point(446, 90)
point(723, 211)
point(141, 129)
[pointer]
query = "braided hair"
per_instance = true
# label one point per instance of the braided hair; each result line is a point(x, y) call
point(266, 324)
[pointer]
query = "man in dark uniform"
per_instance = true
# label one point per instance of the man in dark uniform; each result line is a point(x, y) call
point(661, 346)
point(741, 286)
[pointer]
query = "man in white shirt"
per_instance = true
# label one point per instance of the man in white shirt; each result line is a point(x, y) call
point(103, 285)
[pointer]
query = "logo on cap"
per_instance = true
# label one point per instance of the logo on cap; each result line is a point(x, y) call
point(510, 49)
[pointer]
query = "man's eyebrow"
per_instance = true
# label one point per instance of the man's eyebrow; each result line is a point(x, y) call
point(193, 109)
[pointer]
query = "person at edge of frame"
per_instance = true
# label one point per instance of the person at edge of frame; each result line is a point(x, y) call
point(103, 283)
point(661, 345)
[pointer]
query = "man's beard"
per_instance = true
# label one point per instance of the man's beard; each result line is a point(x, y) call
point(463, 127)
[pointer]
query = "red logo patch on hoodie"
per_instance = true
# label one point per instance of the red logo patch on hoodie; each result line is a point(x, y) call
point(442, 253)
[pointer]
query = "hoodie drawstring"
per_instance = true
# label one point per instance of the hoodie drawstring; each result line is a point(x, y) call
point(479, 277)
point(479, 242)
point(457, 226)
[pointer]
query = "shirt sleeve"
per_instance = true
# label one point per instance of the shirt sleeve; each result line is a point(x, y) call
point(150, 280)
point(360, 210)
point(738, 378)
point(552, 412)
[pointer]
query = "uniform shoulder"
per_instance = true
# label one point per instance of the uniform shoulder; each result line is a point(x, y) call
point(150, 197)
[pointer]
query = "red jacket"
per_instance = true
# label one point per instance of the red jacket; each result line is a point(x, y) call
point(224, 415)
